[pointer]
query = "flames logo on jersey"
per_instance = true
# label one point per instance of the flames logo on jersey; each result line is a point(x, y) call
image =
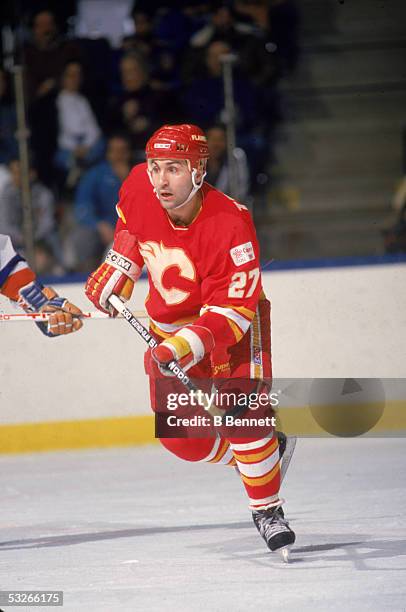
point(158, 259)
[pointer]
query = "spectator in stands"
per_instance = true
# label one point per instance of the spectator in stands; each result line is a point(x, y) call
point(204, 98)
point(80, 141)
point(46, 55)
point(174, 25)
point(95, 200)
point(251, 44)
point(218, 172)
point(164, 68)
point(142, 41)
point(204, 105)
point(138, 110)
point(8, 120)
point(221, 26)
point(43, 211)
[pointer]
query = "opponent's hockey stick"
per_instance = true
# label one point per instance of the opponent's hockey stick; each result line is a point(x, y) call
point(44, 316)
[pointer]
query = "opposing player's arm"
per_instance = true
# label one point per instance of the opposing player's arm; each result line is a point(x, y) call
point(19, 283)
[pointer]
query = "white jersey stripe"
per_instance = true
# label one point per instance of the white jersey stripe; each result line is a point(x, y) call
point(167, 327)
point(229, 313)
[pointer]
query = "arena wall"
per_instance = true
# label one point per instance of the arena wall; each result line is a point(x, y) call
point(89, 389)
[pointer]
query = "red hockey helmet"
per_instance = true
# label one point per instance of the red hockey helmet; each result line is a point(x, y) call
point(183, 141)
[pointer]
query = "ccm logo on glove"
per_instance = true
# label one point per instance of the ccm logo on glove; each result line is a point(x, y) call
point(118, 260)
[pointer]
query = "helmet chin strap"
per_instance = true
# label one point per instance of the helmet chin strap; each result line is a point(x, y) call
point(195, 188)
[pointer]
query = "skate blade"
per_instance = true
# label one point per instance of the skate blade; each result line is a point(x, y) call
point(284, 552)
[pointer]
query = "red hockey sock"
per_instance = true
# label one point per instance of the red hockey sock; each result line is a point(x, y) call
point(258, 463)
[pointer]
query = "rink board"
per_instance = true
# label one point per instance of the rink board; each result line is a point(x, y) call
point(90, 389)
point(130, 431)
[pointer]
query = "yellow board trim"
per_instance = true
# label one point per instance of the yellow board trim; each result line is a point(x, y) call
point(91, 433)
point(137, 430)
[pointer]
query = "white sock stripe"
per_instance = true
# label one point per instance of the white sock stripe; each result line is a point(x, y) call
point(259, 469)
point(213, 451)
point(250, 445)
point(226, 457)
point(265, 502)
point(194, 341)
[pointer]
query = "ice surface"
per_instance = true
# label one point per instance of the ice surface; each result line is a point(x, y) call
point(138, 529)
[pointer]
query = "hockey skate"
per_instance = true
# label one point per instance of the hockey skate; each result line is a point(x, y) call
point(275, 530)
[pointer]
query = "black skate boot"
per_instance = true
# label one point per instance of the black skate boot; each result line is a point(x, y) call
point(275, 530)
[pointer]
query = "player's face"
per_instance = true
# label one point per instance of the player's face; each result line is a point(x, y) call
point(172, 181)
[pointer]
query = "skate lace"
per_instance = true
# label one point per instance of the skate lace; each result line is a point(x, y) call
point(269, 524)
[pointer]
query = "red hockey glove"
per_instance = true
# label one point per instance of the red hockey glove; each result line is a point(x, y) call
point(188, 346)
point(116, 275)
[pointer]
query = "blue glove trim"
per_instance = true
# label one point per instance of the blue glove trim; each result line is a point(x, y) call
point(33, 297)
point(57, 302)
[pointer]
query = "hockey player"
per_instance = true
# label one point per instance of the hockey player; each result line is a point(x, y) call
point(19, 283)
point(205, 302)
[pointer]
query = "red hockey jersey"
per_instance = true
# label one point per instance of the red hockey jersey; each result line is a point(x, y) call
point(208, 272)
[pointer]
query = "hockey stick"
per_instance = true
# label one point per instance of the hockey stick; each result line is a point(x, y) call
point(173, 366)
point(44, 316)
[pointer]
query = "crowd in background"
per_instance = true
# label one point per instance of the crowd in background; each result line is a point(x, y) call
point(91, 108)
